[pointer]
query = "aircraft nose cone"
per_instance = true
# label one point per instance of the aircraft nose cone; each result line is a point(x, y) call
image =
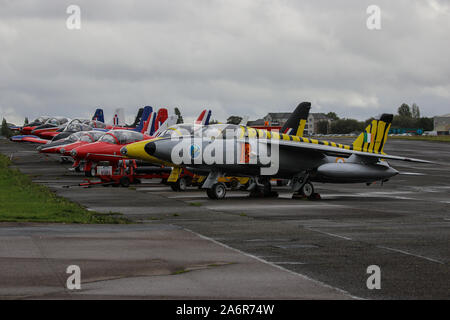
point(73, 153)
point(150, 148)
point(62, 150)
point(124, 151)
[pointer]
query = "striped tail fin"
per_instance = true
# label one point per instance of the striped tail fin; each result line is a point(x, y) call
point(98, 115)
point(146, 113)
point(295, 125)
point(373, 138)
point(204, 117)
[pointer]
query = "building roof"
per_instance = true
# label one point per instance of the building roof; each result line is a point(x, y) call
point(279, 115)
point(257, 122)
point(319, 116)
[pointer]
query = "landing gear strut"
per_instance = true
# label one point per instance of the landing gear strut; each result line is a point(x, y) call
point(303, 188)
point(262, 189)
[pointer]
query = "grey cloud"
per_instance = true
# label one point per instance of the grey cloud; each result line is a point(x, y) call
point(236, 57)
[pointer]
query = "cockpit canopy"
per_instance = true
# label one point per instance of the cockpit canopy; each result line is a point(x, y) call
point(42, 119)
point(57, 121)
point(91, 136)
point(216, 131)
point(76, 126)
point(122, 137)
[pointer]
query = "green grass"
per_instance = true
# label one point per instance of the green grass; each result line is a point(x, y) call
point(21, 200)
point(423, 138)
point(195, 204)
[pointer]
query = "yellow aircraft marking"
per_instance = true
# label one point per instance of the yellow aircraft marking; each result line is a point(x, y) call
point(174, 175)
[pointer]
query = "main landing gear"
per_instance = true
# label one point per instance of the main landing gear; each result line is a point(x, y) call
point(217, 191)
point(303, 188)
point(261, 188)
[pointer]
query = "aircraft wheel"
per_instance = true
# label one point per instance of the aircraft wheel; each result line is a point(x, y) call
point(88, 174)
point(124, 182)
point(174, 186)
point(217, 191)
point(307, 189)
point(234, 184)
point(181, 184)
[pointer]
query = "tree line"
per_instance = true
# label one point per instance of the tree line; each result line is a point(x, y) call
point(406, 117)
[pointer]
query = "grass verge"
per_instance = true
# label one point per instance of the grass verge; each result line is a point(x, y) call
point(21, 200)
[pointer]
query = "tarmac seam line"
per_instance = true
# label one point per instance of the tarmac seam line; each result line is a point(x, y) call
point(275, 265)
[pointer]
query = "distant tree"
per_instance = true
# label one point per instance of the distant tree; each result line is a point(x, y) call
point(178, 114)
point(332, 115)
point(213, 121)
point(427, 124)
point(5, 131)
point(415, 111)
point(404, 111)
point(403, 122)
point(346, 126)
point(234, 120)
point(322, 127)
point(26, 121)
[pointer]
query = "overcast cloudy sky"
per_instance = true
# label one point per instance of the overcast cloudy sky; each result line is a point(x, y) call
point(236, 57)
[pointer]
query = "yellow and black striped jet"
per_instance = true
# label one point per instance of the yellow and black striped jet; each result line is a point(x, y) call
point(235, 150)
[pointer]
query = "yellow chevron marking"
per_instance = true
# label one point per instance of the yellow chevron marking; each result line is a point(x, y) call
point(296, 138)
point(275, 135)
point(261, 133)
point(314, 141)
point(251, 132)
point(285, 136)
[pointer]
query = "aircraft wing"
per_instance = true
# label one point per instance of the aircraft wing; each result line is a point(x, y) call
point(29, 138)
point(339, 149)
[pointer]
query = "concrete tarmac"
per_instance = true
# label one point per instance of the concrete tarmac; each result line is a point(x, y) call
point(188, 246)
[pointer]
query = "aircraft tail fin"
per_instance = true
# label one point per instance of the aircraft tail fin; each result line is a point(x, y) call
point(98, 115)
point(119, 117)
point(295, 125)
point(161, 117)
point(138, 118)
point(373, 138)
point(204, 117)
point(143, 121)
point(170, 121)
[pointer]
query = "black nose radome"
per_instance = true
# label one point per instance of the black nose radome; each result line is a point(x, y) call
point(150, 148)
point(124, 151)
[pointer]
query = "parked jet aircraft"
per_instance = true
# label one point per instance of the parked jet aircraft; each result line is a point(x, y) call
point(107, 148)
point(252, 152)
